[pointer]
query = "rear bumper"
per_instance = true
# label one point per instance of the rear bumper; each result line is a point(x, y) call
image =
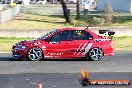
point(108, 51)
point(109, 54)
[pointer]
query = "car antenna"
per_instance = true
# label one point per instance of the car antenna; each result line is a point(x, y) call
point(87, 27)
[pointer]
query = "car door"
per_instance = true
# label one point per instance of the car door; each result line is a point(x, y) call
point(81, 43)
point(58, 44)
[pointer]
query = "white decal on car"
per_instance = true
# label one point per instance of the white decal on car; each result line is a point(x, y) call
point(87, 48)
point(44, 47)
point(78, 48)
point(53, 54)
point(82, 48)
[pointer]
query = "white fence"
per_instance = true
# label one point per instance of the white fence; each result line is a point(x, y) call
point(9, 14)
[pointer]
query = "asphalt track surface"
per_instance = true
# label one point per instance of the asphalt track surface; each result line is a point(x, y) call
point(63, 73)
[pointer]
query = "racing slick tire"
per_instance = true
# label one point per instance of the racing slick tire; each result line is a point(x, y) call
point(35, 54)
point(95, 54)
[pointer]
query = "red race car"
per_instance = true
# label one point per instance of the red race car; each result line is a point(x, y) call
point(65, 43)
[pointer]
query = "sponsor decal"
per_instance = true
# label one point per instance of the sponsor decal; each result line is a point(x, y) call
point(54, 54)
point(37, 43)
point(85, 80)
point(98, 40)
point(75, 51)
point(44, 47)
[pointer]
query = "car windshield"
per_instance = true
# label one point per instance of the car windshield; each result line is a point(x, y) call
point(45, 36)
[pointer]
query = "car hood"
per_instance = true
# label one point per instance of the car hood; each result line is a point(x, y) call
point(29, 42)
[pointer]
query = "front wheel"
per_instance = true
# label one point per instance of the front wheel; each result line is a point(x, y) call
point(95, 54)
point(35, 54)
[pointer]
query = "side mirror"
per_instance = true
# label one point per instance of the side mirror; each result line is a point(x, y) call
point(48, 39)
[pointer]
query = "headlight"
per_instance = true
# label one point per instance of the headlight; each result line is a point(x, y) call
point(20, 47)
point(23, 47)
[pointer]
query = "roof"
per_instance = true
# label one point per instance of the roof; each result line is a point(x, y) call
point(73, 28)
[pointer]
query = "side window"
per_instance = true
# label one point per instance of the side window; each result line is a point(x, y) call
point(81, 35)
point(56, 37)
point(61, 36)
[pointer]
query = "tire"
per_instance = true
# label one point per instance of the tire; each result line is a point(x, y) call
point(35, 54)
point(95, 54)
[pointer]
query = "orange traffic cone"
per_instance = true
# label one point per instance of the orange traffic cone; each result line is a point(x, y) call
point(84, 74)
point(39, 85)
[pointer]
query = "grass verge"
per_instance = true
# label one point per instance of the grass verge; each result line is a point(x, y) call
point(119, 43)
point(7, 43)
point(30, 21)
point(122, 43)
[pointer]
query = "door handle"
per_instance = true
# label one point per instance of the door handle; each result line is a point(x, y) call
point(67, 42)
point(53, 42)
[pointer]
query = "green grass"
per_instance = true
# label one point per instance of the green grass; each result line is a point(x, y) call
point(122, 43)
point(29, 21)
point(119, 43)
point(7, 43)
point(122, 19)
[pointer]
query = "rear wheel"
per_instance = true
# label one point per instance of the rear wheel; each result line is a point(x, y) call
point(35, 54)
point(95, 54)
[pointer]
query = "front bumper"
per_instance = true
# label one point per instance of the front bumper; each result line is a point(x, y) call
point(15, 57)
point(18, 54)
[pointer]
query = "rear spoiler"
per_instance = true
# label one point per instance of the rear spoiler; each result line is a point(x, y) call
point(107, 33)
